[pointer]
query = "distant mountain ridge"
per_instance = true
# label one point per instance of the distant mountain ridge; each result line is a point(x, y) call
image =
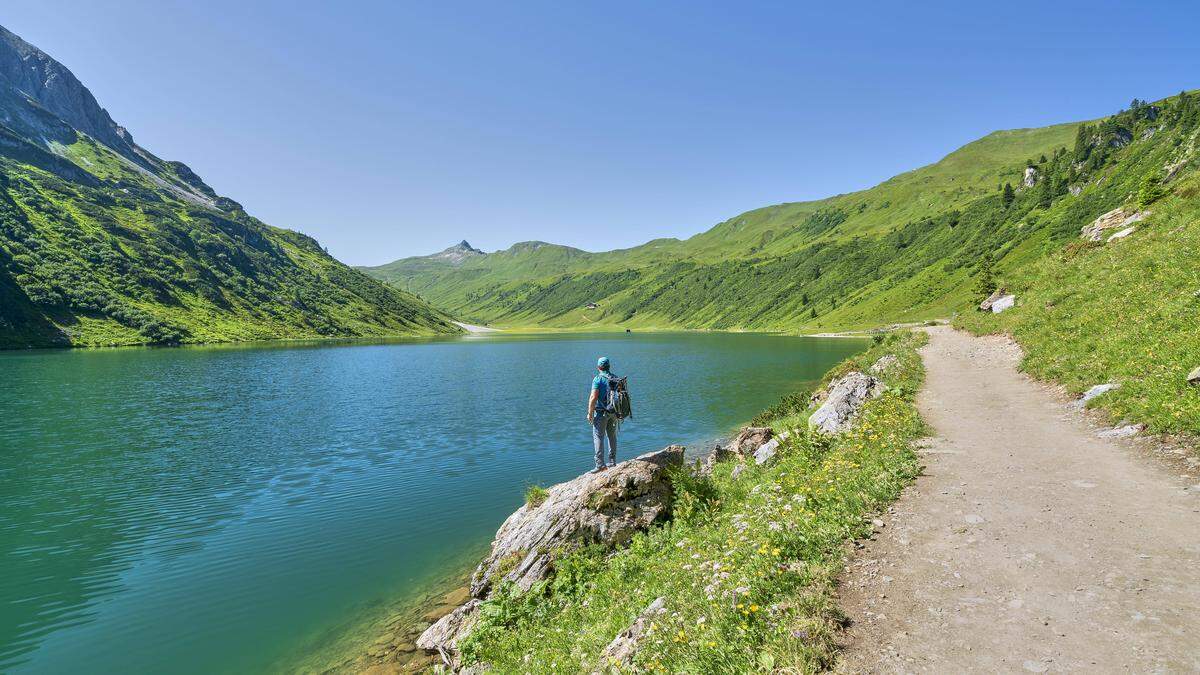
point(102, 242)
point(915, 247)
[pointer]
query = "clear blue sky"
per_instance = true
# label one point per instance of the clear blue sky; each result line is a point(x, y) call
point(388, 129)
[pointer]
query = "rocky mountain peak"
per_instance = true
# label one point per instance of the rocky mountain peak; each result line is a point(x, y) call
point(55, 88)
point(458, 252)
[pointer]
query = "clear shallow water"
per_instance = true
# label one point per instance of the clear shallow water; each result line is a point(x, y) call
point(223, 509)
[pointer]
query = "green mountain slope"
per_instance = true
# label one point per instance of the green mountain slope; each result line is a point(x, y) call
point(1124, 312)
point(911, 248)
point(101, 242)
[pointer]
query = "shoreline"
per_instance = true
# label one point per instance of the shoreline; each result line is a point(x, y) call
point(396, 647)
point(320, 341)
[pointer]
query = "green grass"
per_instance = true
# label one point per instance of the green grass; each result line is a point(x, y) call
point(1124, 312)
point(747, 565)
point(535, 495)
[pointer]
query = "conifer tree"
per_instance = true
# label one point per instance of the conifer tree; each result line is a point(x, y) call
point(1008, 195)
point(986, 283)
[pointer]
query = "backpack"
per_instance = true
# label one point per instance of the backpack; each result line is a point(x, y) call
point(618, 398)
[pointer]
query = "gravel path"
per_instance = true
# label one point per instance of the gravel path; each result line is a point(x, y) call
point(1029, 544)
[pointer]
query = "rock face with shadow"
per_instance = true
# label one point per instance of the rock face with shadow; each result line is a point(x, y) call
point(605, 508)
point(846, 398)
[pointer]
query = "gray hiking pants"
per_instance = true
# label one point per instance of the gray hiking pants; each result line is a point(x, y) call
point(604, 425)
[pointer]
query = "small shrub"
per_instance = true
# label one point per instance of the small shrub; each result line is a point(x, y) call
point(535, 495)
point(695, 495)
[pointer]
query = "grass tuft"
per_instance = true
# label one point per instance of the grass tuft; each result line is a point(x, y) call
point(535, 495)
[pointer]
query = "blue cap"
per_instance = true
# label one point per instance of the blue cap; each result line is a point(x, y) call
point(602, 363)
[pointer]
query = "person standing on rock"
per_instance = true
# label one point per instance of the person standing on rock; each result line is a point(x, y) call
point(604, 422)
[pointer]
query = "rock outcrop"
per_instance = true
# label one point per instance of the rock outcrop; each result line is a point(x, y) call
point(1003, 302)
point(1121, 234)
point(767, 451)
point(1117, 219)
point(719, 454)
point(621, 650)
point(846, 398)
point(1031, 177)
point(1193, 377)
point(986, 305)
point(749, 439)
point(607, 507)
point(883, 365)
point(443, 636)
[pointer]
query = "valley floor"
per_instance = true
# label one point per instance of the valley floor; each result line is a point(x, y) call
point(1029, 543)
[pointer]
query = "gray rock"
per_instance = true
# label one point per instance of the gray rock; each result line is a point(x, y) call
point(884, 364)
point(986, 305)
point(1122, 234)
point(749, 438)
point(443, 636)
point(1117, 219)
point(1193, 377)
point(621, 650)
point(1093, 393)
point(1124, 431)
point(846, 398)
point(606, 507)
point(1003, 303)
point(767, 451)
point(719, 454)
point(737, 471)
point(1031, 176)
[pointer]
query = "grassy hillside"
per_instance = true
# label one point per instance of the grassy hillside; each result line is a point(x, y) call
point(912, 248)
point(737, 274)
point(102, 243)
point(1124, 312)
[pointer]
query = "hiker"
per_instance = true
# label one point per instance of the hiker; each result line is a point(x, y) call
point(603, 420)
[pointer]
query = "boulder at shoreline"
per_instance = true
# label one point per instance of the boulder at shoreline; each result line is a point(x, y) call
point(606, 507)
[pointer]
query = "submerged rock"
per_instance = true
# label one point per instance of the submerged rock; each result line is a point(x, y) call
point(846, 398)
point(621, 650)
point(1117, 219)
point(443, 636)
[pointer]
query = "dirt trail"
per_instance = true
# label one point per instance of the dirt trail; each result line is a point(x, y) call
point(1029, 544)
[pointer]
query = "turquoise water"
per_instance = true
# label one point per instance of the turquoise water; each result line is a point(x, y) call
point(226, 509)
